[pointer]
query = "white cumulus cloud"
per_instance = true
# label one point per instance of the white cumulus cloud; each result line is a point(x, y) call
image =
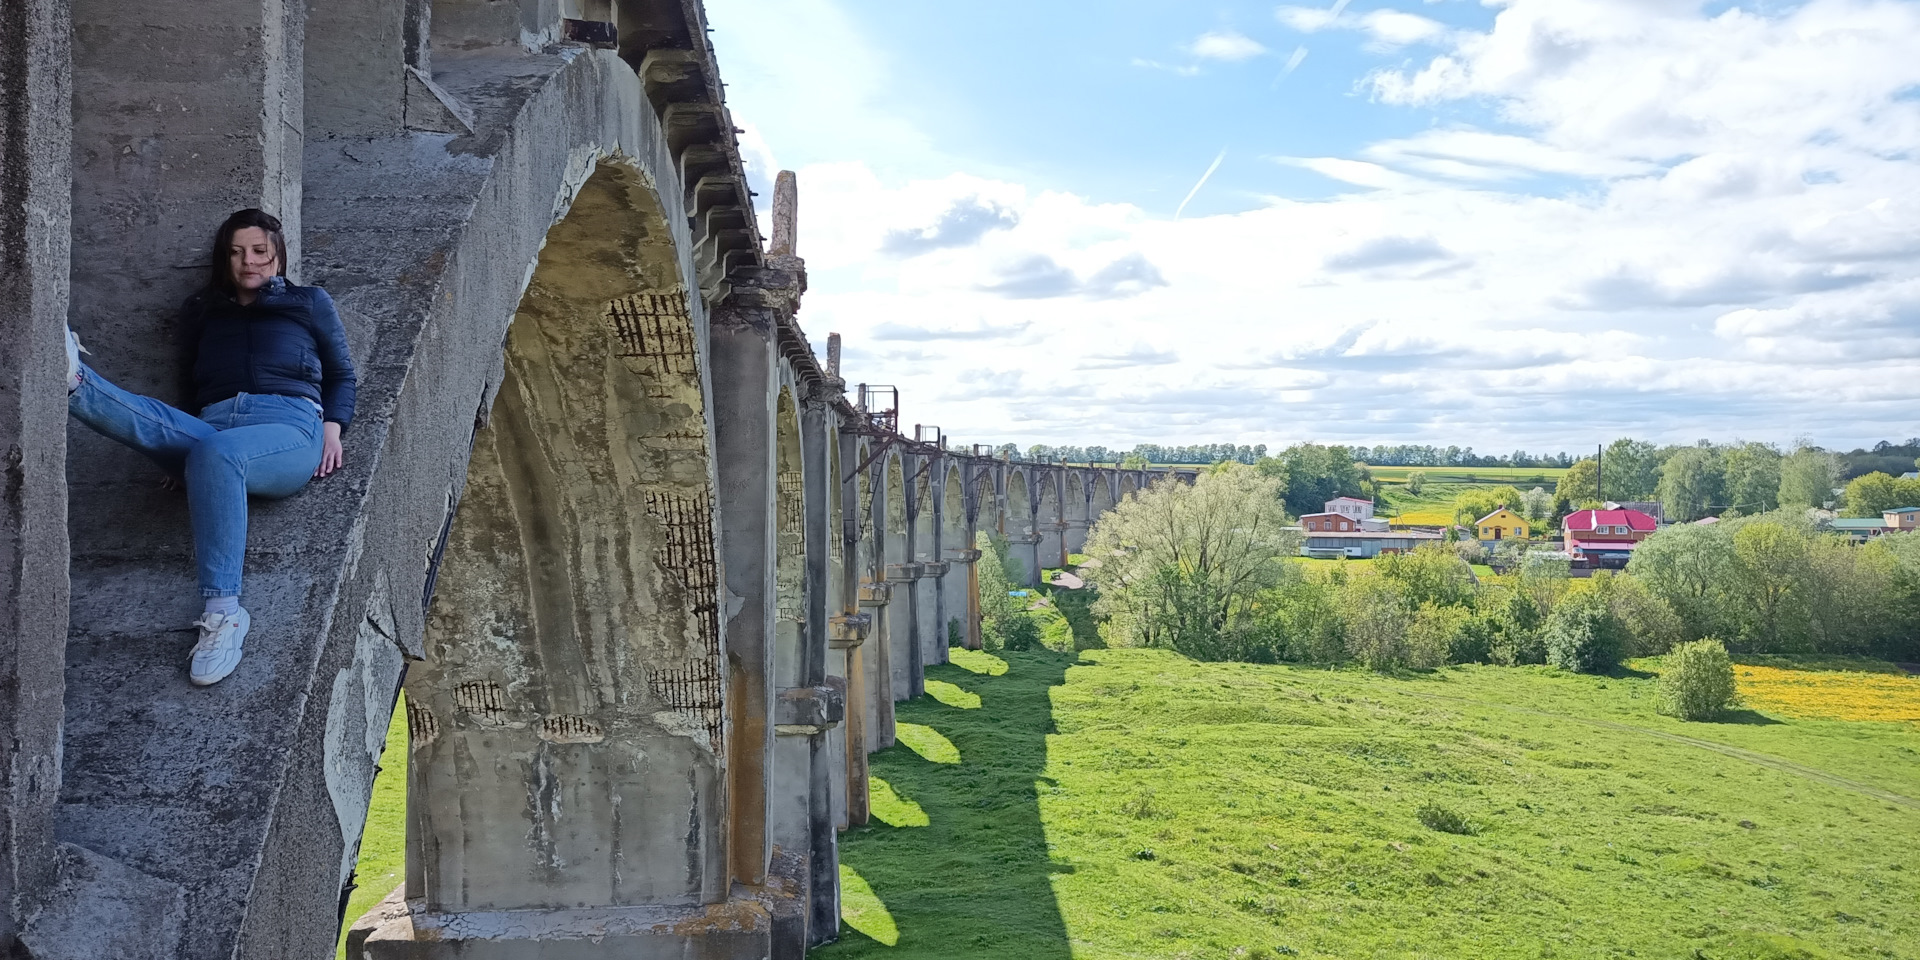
point(1225, 45)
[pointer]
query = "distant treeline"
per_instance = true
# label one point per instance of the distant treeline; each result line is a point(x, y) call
point(1146, 453)
point(1885, 456)
point(1209, 569)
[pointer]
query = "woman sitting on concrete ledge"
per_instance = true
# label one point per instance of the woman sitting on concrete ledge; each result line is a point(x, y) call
point(269, 372)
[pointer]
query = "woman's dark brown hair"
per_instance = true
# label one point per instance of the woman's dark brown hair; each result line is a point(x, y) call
point(222, 273)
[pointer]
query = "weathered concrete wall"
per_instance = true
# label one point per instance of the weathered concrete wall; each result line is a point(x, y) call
point(34, 190)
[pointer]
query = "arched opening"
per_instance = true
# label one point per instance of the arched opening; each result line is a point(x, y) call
point(1021, 541)
point(1078, 512)
point(566, 725)
point(930, 628)
point(790, 544)
point(956, 584)
point(1019, 506)
point(1127, 486)
point(1051, 526)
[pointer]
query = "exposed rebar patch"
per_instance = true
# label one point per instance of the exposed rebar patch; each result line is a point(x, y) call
point(687, 555)
point(422, 728)
point(655, 328)
point(566, 729)
point(694, 690)
point(484, 699)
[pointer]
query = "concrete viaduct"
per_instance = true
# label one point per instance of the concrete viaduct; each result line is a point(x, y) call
point(650, 579)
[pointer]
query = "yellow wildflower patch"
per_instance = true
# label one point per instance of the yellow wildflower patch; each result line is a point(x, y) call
point(1425, 518)
point(1831, 694)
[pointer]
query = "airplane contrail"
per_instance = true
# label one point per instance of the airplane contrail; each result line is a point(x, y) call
point(1203, 182)
point(1293, 63)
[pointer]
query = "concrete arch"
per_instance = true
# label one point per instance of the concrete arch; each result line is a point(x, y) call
point(987, 516)
point(1050, 522)
point(1129, 485)
point(929, 630)
point(790, 542)
point(1078, 511)
point(575, 621)
point(956, 554)
point(1021, 540)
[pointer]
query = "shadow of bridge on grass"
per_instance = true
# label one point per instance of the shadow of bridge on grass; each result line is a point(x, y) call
point(972, 877)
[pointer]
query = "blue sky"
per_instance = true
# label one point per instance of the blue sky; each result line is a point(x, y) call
point(1538, 223)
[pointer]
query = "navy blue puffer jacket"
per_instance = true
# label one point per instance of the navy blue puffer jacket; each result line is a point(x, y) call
point(289, 341)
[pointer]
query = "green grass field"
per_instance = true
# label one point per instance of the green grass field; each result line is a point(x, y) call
point(383, 845)
point(1129, 803)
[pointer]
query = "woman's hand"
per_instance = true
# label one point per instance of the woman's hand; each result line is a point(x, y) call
point(331, 456)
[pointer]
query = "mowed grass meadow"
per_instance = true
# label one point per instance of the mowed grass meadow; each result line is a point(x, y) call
point(1133, 803)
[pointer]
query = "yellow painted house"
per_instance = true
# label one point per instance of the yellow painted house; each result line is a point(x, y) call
point(1503, 524)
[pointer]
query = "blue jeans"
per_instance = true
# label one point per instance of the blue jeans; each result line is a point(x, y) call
point(258, 444)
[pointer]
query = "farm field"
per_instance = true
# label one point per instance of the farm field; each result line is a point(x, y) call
point(1433, 506)
point(1547, 476)
point(1132, 803)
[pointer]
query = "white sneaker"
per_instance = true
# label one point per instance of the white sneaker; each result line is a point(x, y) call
point(218, 651)
point(74, 349)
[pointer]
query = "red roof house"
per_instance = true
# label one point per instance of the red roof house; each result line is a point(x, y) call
point(1606, 538)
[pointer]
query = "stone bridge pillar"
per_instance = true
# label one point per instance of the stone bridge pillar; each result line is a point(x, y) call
point(744, 360)
point(35, 193)
point(1051, 521)
point(848, 629)
point(877, 595)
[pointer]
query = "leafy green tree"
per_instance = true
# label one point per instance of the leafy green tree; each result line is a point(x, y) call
point(1134, 461)
point(1477, 502)
point(1431, 574)
point(1516, 621)
point(1691, 482)
point(1772, 560)
point(1692, 568)
point(1536, 504)
point(1875, 493)
point(1004, 620)
point(1436, 632)
point(1312, 474)
point(1630, 470)
point(1306, 611)
point(1848, 595)
point(1378, 619)
point(1651, 624)
point(1697, 681)
point(1583, 635)
point(1579, 483)
point(1751, 473)
point(1180, 564)
point(1807, 478)
point(1416, 482)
